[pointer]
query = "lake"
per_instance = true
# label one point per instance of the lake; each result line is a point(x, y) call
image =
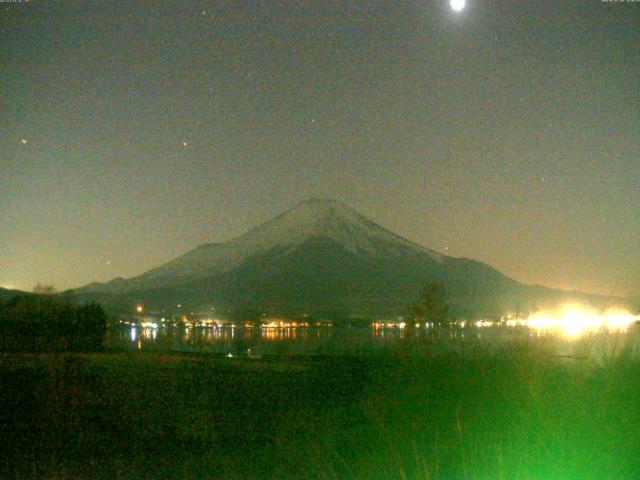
point(374, 339)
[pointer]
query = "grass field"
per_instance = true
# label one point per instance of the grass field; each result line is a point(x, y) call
point(512, 413)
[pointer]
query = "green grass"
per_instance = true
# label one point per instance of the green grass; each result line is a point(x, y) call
point(512, 413)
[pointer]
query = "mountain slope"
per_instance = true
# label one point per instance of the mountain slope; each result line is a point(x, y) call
point(6, 294)
point(319, 256)
point(325, 219)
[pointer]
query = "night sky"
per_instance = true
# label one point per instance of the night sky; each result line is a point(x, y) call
point(133, 131)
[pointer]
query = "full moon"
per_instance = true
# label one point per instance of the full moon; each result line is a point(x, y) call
point(457, 5)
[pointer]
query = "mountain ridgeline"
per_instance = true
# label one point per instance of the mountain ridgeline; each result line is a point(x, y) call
point(323, 258)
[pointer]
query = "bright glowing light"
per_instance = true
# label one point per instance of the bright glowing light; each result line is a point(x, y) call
point(458, 5)
point(139, 309)
point(484, 323)
point(575, 320)
point(619, 320)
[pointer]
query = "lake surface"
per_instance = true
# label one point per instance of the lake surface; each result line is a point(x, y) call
point(340, 340)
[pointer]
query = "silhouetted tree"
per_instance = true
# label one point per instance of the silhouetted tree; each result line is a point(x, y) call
point(433, 304)
point(91, 327)
point(44, 289)
point(47, 323)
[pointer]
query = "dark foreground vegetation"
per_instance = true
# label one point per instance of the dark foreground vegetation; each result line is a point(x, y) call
point(517, 413)
point(43, 323)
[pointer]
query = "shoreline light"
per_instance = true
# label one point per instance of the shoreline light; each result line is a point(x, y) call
point(574, 320)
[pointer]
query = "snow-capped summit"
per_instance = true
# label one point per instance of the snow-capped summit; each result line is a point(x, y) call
point(312, 219)
point(330, 219)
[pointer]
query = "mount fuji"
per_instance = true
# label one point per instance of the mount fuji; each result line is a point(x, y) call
point(321, 257)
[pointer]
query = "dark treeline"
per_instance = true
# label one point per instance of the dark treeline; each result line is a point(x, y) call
point(42, 323)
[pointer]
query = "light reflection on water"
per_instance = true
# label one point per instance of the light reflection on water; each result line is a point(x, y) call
point(361, 340)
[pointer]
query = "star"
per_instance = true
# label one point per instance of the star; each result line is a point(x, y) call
point(184, 144)
point(23, 141)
